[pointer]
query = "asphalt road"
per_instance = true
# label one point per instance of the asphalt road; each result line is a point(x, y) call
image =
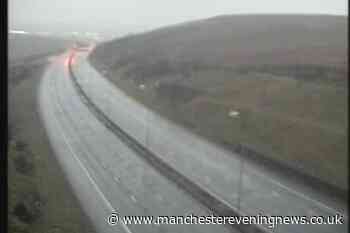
point(107, 175)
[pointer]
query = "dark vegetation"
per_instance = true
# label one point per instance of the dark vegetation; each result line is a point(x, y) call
point(40, 199)
point(285, 75)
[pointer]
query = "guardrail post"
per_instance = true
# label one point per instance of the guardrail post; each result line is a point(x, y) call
point(240, 182)
point(147, 128)
point(146, 134)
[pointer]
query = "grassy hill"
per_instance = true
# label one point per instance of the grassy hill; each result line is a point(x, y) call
point(285, 76)
point(22, 46)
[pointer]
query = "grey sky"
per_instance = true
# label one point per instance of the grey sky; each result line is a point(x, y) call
point(134, 15)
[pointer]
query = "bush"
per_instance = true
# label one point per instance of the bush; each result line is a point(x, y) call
point(23, 164)
point(29, 209)
point(21, 146)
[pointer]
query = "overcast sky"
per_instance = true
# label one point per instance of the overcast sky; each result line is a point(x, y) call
point(135, 15)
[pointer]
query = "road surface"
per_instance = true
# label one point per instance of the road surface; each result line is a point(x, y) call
point(107, 175)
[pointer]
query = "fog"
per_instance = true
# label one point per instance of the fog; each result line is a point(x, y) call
point(134, 15)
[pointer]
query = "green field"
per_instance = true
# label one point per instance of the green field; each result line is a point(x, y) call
point(284, 76)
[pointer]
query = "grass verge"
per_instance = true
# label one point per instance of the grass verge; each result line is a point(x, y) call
point(40, 198)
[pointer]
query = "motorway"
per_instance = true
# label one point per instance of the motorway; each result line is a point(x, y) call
point(107, 175)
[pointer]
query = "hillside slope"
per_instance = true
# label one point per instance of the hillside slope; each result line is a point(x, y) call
point(236, 40)
point(276, 84)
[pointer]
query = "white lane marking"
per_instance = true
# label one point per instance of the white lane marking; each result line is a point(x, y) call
point(292, 191)
point(217, 197)
point(299, 193)
point(307, 198)
point(222, 200)
point(109, 205)
point(133, 198)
